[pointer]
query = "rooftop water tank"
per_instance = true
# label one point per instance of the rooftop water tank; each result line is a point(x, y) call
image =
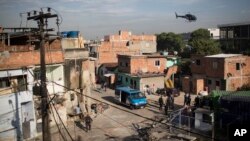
point(64, 34)
point(73, 34)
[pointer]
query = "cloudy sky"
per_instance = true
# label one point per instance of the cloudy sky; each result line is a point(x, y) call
point(96, 18)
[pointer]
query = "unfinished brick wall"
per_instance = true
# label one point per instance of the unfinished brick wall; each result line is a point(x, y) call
point(55, 45)
point(235, 71)
point(124, 43)
point(231, 66)
point(107, 52)
point(186, 84)
point(235, 83)
point(214, 67)
point(195, 67)
point(152, 67)
point(20, 59)
point(140, 64)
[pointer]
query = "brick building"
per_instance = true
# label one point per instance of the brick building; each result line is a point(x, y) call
point(219, 72)
point(142, 71)
point(124, 43)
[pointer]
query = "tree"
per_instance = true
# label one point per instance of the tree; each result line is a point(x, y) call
point(201, 43)
point(169, 42)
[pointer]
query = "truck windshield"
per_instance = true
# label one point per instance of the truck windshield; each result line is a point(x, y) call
point(137, 95)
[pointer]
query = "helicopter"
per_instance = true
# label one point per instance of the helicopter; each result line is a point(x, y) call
point(189, 17)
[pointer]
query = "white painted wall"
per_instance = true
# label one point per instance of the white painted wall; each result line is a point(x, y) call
point(11, 110)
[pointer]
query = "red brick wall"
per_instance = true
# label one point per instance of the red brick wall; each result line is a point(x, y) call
point(235, 83)
point(138, 64)
point(186, 84)
point(20, 59)
point(198, 69)
point(123, 61)
point(214, 72)
point(230, 66)
point(126, 36)
point(108, 51)
point(151, 65)
point(141, 64)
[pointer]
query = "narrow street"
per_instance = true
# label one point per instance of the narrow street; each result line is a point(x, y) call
point(116, 123)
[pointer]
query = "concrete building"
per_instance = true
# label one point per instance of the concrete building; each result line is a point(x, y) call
point(219, 72)
point(17, 113)
point(235, 37)
point(142, 71)
point(214, 33)
point(107, 73)
point(72, 39)
point(19, 78)
point(79, 73)
point(124, 43)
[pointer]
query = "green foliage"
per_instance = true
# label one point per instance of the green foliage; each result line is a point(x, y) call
point(202, 43)
point(185, 67)
point(200, 34)
point(169, 42)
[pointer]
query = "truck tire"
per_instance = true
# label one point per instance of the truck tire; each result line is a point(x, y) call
point(132, 107)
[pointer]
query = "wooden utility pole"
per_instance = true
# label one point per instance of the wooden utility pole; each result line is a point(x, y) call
point(40, 18)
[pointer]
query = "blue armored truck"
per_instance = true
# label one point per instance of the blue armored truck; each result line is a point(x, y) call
point(130, 97)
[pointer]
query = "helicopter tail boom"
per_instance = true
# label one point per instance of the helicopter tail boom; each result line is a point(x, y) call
point(176, 15)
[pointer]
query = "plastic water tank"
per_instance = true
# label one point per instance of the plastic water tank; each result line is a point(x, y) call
point(73, 34)
point(64, 34)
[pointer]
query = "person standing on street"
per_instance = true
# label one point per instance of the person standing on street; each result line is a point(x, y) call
point(185, 99)
point(188, 99)
point(88, 121)
point(105, 86)
point(160, 103)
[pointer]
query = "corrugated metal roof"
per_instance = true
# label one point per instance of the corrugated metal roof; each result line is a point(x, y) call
point(223, 55)
point(232, 95)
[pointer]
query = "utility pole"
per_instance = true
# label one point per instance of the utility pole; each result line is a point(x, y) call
point(41, 19)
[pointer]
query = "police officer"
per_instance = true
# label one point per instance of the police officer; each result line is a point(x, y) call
point(88, 121)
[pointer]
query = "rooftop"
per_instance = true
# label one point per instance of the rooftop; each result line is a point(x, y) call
point(15, 60)
point(234, 24)
point(223, 55)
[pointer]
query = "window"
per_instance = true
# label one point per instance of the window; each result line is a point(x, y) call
point(126, 79)
point(206, 118)
point(209, 82)
point(131, 82)
point(215, 65)
point(198, 62)
point(217, 83)
point(157, 63)
point(4, 82)
point(237, 66)
point(126, 64)
point(121, 64)
point(120, 78)
point(21, 81)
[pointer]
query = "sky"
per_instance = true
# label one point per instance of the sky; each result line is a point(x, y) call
point(96, 18)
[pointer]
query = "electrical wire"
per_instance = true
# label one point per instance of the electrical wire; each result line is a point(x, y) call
point(62, 121)
point(64, 138)
point(150, 119)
